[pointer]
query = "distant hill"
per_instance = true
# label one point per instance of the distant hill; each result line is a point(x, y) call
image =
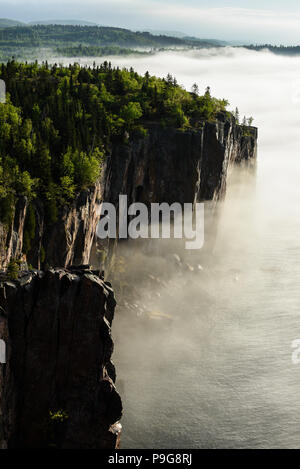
point(279, 50)
point(6, 23)
point(163, 32)
point(25, 42)
point(89, 33)
point(63, 22)
point(181, 35)
point(54, 35)
point(216, 42)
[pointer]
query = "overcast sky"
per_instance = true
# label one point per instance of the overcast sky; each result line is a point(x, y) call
point(276, 21)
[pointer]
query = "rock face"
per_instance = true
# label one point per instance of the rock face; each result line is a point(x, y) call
point(168, 165)
point(171, 165)
point(11, 237)
point(65, 241)
point(57, 387)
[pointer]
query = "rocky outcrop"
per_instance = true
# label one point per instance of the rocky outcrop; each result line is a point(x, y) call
point(172, 165)
point(11, 237)
point(168, 165)
point(60, 242)
point(67, 240)
point(57, 387)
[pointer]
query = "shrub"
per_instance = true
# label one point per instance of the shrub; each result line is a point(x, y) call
point(13, 269)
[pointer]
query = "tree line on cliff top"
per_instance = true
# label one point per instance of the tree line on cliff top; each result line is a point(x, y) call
point(58, 123)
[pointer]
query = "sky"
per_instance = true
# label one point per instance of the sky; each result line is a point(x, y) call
point(272, 21)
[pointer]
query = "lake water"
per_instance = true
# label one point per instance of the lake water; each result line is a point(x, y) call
point(221, 376)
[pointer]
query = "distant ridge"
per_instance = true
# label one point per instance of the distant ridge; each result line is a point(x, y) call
point(181, 35)
point(216, 42)
point(164, 32)
point(24, 41)
point(45, 35)
point(63, 22)
point(7, 23)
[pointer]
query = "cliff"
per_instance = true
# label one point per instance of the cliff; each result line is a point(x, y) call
point(172, 165)
point(168, 165)
point(62, 242)
point(57, 387)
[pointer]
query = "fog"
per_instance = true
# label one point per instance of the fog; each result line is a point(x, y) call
point(203, 341)
point(254, 21)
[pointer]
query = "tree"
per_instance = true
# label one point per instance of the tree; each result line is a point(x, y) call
point(195, 89)
point(13, 269)
point(207, 91)
point(58, 122)
point(169, 79)
point(87, 168)
point(131, 112)
point(237, 115)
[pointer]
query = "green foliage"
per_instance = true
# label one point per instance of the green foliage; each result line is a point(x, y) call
point(96, 51)
point(279, 50)
point(43, 254)
point(139, 132)
point(7, 209)
point(24, 183)
point(67, 187)
point(59, 123)
point(55, 427)
point(131, 112)
point(69, 40)
point(87, 167)
point(237, 115)
point(246, 124)
point(58, 416)
point(13, 269)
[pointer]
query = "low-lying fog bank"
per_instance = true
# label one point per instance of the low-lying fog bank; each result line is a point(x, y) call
point(220, 374)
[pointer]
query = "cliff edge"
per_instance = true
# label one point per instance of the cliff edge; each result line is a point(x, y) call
point(57, 386)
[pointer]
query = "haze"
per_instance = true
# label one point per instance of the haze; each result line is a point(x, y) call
point(221, 375)
point(260, 22)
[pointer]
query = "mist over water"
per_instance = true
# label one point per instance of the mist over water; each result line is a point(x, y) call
point(220, 374)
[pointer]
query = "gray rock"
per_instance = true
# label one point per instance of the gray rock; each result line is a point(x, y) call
point(57, 331)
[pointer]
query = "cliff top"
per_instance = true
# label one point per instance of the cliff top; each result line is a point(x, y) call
point(58, 123)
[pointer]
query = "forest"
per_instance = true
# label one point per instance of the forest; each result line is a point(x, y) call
point(26, 41)
point(280, 50)
point(44, 35)
point(96, 51)
point(59, 123)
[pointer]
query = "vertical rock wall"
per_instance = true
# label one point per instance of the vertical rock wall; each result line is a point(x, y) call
point(57, 387)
